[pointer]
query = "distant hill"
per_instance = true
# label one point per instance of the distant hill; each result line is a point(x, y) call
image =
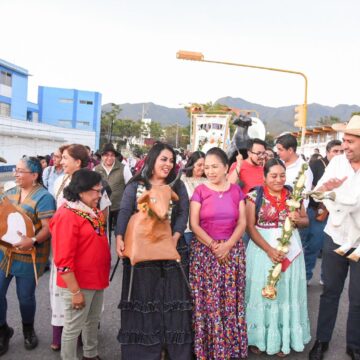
point(277, 120)
point(161, 114)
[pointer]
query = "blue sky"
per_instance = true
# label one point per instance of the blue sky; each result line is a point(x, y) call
point(126, 49)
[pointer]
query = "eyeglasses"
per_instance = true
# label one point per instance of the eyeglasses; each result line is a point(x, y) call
point(19, 171)
point(259, 154)
point(97, 190)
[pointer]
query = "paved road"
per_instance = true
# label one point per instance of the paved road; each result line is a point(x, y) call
point(109, 348)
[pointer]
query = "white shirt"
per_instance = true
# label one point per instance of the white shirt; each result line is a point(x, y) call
point(292, 171)
point(339, 167)
point(108, 171)
point(127, 172)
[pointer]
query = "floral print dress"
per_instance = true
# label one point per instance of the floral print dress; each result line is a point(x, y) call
point(218, 290)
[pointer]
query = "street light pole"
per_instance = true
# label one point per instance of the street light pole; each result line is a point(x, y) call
point(111, 130)
point(177, 135)
point(197, 56)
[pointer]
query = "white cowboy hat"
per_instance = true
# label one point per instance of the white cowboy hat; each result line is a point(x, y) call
point(352, 127)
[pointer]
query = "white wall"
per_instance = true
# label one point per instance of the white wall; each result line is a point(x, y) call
point(310, 146)
point(18, 138)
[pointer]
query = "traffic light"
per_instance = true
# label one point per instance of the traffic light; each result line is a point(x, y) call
point(300, 116)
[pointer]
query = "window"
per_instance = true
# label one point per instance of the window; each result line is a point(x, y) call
point(5, 84)
point(5, 78)
point(84, 123)
point(5, 109)
point(66, 123)
point(66, 101)
point(86, 102)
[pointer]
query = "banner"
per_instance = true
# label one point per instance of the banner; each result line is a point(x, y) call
point(210, 130)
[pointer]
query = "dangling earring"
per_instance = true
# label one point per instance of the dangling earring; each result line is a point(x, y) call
point(34, 183)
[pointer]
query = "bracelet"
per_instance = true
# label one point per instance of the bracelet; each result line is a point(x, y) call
point(210, 246)
point(76, 292)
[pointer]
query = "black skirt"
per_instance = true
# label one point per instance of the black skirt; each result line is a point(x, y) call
point(160, 308)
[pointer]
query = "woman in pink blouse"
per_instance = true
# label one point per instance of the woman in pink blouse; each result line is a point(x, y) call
point(217, 264)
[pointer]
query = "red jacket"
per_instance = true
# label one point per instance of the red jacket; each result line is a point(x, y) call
point(78, 248)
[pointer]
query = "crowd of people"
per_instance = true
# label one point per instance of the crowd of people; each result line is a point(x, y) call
point(225, 220)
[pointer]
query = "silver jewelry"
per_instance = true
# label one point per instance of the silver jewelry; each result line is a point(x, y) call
point(221, 193)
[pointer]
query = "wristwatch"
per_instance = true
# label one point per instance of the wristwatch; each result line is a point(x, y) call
point(34, 240)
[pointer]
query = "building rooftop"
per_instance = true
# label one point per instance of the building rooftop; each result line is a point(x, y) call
point(14, 67)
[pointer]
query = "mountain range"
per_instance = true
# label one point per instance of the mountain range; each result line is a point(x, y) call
point(276, 120)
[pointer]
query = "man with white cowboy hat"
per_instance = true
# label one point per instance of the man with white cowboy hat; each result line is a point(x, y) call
point(343, 172)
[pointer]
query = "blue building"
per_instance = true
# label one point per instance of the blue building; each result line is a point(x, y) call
point(70, 108)
point(66, 108)
point(13, 90)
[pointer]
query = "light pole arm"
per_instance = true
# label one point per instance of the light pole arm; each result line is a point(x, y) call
point(264, 68)
point(197, 56)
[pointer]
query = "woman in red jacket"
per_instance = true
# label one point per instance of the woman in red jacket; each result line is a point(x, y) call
point(82, 258)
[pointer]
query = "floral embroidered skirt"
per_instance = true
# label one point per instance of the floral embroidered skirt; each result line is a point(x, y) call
point(281, 324)
point(219, 303)
point(159, 311)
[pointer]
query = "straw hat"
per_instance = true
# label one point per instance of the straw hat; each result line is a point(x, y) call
point(352, 127)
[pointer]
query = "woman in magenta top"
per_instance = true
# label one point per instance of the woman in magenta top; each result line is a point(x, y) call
point(217, 264)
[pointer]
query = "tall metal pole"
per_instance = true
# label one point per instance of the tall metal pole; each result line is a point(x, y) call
point(177, 135)
point(111, 130)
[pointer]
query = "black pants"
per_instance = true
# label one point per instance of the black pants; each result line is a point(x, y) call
point(335, 269)
point(112, 221)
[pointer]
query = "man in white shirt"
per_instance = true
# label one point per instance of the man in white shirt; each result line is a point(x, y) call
point(286, 146)
point(343, 172)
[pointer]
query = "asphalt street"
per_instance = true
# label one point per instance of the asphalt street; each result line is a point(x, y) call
point(109, 348)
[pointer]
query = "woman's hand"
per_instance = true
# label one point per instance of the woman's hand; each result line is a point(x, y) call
point(294, 216)
point(275, 256)
point(26, 243)
point(120, 246)
point(78, 301)
point(222, 250)
point(175, 238)
point(239, 160)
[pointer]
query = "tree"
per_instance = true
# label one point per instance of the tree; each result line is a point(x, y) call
point(156, 130)
point(107, 123)
point(355, 113)
point(125, 129)
point(270, 139)
point(170, 133)
point(328, 120)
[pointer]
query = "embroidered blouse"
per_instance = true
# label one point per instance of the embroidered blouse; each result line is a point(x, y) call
point(273, 212)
